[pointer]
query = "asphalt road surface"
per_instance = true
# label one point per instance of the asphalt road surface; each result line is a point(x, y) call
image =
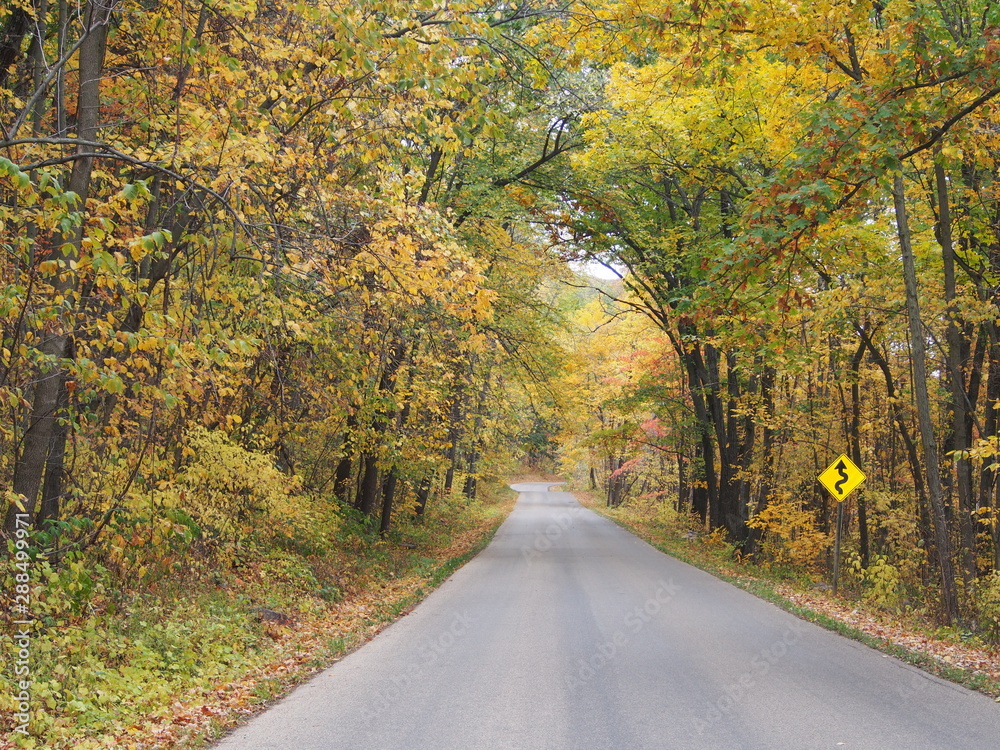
point(568, 633)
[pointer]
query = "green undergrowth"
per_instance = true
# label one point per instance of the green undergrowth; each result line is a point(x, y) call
point(160, 641)
point(711, 554)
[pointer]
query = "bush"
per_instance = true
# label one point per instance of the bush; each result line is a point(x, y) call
point(789, 534)
point(987, 601)
point(881, 581)
point(233, 494)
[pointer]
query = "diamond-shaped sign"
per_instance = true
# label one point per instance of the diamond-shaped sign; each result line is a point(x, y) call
point(841, 478)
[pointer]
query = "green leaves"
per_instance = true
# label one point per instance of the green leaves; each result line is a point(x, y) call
point(20, 179)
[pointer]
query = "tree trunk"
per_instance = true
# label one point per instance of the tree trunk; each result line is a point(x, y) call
point(475, 451)
point(368, 485)
point(12, 35)
point(454, 437)
point(342, 475)
point(706, 498)
point(957, 353)
point(615, 483)
point(392, 481)
point(854, 441)
point(55, 464)
point(942, 540)
point(38, 436)
point(41, 437)
point(423, 492)
point(388, 499)
point(989, 487)
point(368, 490)
point(752, 544)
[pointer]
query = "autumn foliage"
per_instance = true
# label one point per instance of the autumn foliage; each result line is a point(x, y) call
point(282, 276)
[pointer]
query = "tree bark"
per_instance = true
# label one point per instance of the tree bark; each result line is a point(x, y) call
point(454, 437)
point(854, 441)
point(342, 475)
point(423, 493)
point(942, 540)
point(42, 439)
point(392, 481)
point(11, 40)
point(369, 487)
point(959, 439)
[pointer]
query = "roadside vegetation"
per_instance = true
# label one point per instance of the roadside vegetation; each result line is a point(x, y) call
point(281, 278)
point(191, 646)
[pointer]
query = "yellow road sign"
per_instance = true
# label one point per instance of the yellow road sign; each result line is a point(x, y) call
point(841, 478)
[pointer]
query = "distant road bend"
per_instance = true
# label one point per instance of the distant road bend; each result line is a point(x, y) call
point(568, 633)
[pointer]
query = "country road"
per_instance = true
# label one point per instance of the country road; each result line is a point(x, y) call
point(568, 633)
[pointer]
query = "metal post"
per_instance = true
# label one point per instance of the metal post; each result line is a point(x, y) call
point(836, 546)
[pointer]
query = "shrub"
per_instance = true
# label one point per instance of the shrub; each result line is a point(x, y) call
point(789, 534)
point(231, 492)
point(987, 601)
point(881, 581)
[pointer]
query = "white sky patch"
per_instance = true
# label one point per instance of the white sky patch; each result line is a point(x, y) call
point(598, 270)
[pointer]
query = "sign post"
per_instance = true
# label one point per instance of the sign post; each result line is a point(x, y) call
point(840, 479)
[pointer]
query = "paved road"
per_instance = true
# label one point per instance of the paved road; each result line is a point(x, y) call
point(568, 633)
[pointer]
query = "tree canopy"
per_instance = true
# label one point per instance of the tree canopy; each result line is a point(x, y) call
point(254, 252)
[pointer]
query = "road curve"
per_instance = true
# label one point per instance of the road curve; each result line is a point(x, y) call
point(569, 633)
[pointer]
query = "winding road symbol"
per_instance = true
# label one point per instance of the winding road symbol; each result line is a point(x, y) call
point(841, 478)
point(844, 478)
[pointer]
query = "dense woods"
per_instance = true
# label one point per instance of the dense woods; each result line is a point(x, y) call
point(273, 268)
point(805, 202)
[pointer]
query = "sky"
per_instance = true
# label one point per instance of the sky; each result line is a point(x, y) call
point(597, 270)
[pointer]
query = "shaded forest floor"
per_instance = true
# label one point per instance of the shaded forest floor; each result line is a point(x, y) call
point(947, 652)
point(271, 628)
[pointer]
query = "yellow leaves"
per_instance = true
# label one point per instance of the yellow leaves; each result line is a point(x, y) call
point(48, 267)
point(791, 533)
point(140, 247)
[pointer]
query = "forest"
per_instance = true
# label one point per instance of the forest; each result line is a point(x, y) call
point(289, 288)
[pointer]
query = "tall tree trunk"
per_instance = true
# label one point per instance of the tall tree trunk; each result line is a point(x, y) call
point(342, 475)
point(454, 437)
point(55, 464)
point(12, 35)
point(706, 495)
point(989, 487)
point(682, 488)
point(368, 490)
point(41, 437)
point(960, 439)
point(368, 484)
point(423, 493)
point(616, 483)
point(909, 446)
point(854, 441)
point(475, 450)
point(752, 544)
point(388, 500)
point(392, 481)
point(942, 539)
